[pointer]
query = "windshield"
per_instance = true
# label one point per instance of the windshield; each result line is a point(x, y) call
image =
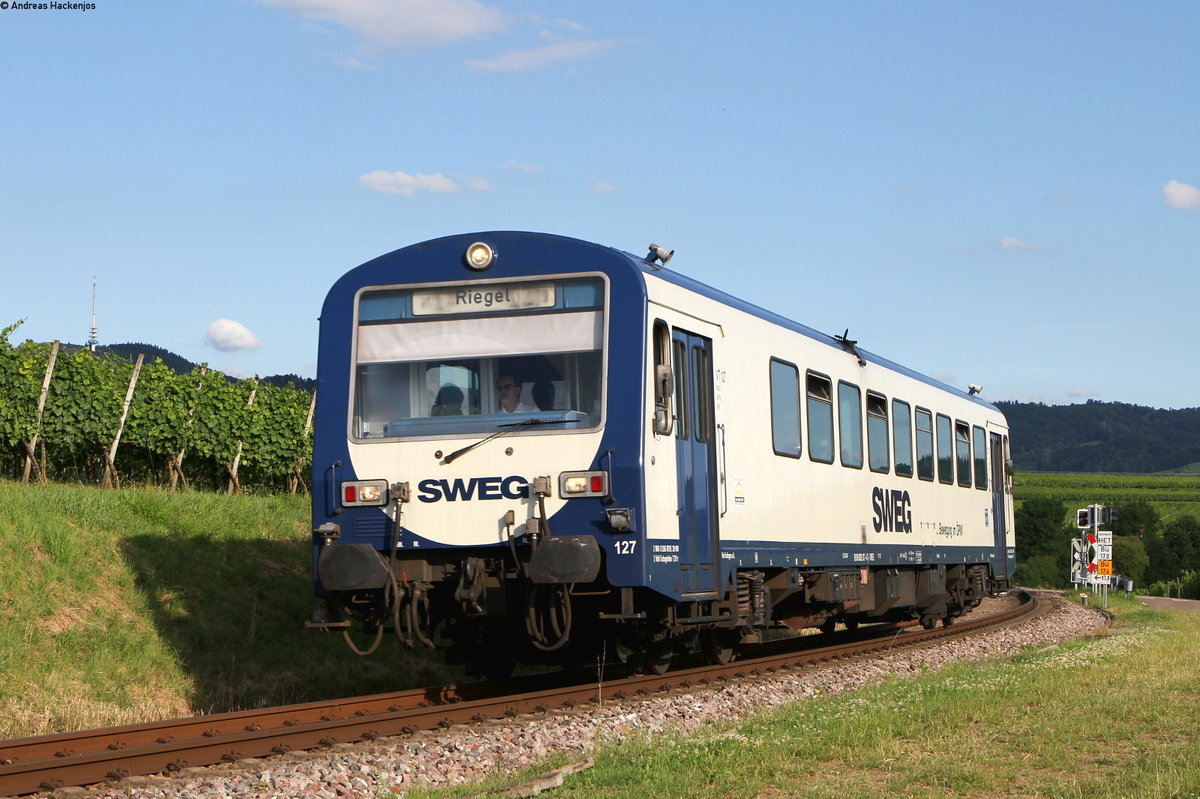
point(470, 359)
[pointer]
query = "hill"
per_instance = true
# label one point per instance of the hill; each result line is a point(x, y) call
point(1103, 437)
point(180, 365)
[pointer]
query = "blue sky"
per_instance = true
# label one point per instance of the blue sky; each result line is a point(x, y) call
point(993, 193)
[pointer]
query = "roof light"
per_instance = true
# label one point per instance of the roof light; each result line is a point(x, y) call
point(479, 256)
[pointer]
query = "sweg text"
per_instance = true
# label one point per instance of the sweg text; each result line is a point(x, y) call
point(893, 511)
point(513, 487)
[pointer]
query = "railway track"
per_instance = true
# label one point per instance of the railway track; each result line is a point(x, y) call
point(45, 763)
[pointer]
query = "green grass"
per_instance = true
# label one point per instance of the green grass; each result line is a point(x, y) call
point(137, 605)
point(1114, 717)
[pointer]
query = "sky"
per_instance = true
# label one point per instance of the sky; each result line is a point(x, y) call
point(998, 193)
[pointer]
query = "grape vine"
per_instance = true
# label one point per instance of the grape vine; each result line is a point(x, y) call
point(195, 429)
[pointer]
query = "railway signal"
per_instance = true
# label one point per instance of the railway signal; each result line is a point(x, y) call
point(1091, 552)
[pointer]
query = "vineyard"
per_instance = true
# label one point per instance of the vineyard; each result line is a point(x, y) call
point(102, 420)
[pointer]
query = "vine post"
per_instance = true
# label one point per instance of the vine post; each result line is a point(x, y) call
point(30, 456)
point(110, 468)
point(234, 485)
point(296, 480)
point(176, 463)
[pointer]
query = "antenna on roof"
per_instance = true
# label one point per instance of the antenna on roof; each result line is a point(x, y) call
point(92, 340)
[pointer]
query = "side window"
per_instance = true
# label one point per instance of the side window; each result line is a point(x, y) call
point(785, 408)
point(702, 427)
point(878, 457)
point(662, 379)
point(962, 438)
point(945, 450)
point(902, 437)
point(924, 444)
point(820, 417)
point(850, 424)
point(981, 467)
point(682, 423)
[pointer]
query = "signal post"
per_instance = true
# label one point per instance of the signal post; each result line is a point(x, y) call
point(1091, 552)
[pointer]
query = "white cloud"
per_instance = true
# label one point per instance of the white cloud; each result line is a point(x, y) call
point(227, 335)
point(408, 185)
point(517, 166)
point(527, 60)
point(402, 23)
point(1082, 393)
point(1010, 243)
point(1181, 195)
point(601, 187)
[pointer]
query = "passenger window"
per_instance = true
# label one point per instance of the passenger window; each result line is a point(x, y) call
point(902, 437)
point(702, 419)
point(877, 433)
point(981, 468)
point(850, 424)
point(785, 408)
point(945, 449)
point(962, 436)
point(820, 418)
point(924, 444)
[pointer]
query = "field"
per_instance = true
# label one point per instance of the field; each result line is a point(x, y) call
point(1171, 495)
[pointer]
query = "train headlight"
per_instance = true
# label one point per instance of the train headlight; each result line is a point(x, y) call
point(365, 492)
point(582, 484)
point(480, 256)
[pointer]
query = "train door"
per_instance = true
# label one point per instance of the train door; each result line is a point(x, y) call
point(695, 454)
point(999, 519)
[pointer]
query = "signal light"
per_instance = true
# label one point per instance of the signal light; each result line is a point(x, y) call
point(1083, 518)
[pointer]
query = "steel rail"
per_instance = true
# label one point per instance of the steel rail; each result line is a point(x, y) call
point(49, 762)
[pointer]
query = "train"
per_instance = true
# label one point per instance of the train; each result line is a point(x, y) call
point(530, 448)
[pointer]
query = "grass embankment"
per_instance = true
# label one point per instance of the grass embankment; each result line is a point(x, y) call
point(1115, 717)
point(139, 605)
point(1170, 495)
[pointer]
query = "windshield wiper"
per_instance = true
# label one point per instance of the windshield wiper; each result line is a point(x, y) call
point(507, 428)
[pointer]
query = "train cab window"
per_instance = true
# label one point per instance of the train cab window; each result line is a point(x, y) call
point(962, 438)
point(945, 450)
point(819, 392)
point(878, 456)
point(902, 437)
point(981, 466)
point(924, 444)
point(785, 408)
point(468, 360)
point(850, 433)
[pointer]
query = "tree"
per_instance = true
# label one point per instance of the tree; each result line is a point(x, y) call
point(1041, 529)
point(1129, 557)
point(1136, 519)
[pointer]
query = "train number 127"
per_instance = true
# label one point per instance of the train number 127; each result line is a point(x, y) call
point(625, 547)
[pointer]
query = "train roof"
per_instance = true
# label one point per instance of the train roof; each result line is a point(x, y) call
point(644, 265)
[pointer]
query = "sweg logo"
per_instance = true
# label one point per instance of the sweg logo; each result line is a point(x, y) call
point(893, 511)
point(514, 487)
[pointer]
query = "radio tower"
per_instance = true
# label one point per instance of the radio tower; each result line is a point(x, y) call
point(92, 340)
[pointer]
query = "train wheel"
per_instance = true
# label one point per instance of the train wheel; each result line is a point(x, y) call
point(657, 656)
point(929, 622)
point(851, 624)
point(719, 646)
point(947, 620)
point(828, 626)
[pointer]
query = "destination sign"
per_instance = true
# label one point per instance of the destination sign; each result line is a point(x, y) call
point(483, 299)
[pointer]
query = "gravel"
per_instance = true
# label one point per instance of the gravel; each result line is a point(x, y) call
point(372, 769)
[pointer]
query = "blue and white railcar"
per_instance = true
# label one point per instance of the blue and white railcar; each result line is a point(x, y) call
point(529, 444)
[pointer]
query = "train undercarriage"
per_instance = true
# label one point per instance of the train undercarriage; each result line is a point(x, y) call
point(487, 613)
